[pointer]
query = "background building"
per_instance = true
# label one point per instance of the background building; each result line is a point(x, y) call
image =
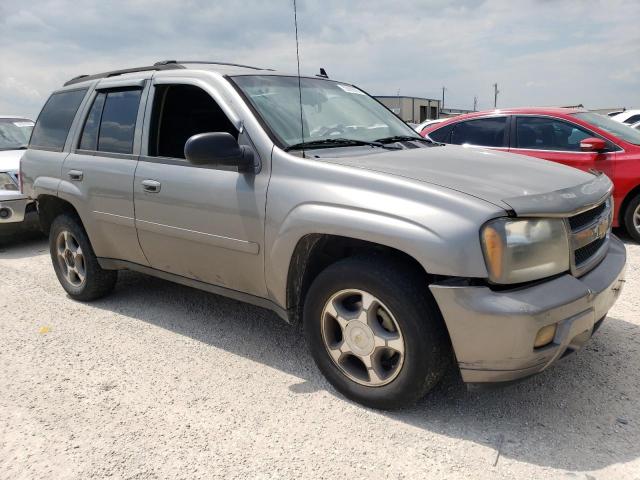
point(452, 112)
point(412, 109)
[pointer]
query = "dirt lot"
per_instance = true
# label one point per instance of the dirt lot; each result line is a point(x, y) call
point(162, 381)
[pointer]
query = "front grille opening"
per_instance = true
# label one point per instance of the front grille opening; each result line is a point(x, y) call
point(585, 253)
point(585, 218)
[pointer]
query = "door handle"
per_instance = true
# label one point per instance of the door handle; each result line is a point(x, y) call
point(75, 175)
point(151, 186)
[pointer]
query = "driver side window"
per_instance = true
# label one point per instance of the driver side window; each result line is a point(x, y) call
point(179, 112)
point(544, 133)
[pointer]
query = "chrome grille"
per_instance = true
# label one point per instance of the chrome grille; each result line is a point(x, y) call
point(590, 232)
point(585, 253)
point(585, 218)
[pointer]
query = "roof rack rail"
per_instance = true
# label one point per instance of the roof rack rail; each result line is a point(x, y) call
point(204, 62)
point(166, 65)
point(161, 65)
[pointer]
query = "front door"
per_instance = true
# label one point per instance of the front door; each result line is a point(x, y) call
point(195, 221)
point(559, 141)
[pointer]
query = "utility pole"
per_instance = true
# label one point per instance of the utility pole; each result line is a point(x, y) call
point(495, 95)
point(475, 103)
point(442, 104)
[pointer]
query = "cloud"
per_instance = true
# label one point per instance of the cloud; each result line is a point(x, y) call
point(539, 52)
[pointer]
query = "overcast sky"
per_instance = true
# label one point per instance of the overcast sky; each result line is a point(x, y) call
point(541, 52)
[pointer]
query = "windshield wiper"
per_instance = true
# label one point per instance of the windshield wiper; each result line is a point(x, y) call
point(404, 138)
point(337, 142)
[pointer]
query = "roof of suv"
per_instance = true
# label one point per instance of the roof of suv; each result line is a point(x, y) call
point(220, 67)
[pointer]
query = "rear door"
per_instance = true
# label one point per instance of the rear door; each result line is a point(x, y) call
point(196, 221)
point(97, 177)
point(558, 140)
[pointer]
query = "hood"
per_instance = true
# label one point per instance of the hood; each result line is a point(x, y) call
point(10, 160)
point(526, 185)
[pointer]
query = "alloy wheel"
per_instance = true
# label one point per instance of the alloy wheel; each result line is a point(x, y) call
point(362, 337)
point(71, 259)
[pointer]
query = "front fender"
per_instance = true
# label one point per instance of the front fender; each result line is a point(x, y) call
point(434, 252)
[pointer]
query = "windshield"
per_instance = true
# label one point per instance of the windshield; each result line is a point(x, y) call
point(330, 110)
point(14, 133)
point(620, 130)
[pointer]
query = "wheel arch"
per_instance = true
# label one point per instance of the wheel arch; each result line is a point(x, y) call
point(633, 193)
point(51, 206)
point(445, 251)
point(316, 251)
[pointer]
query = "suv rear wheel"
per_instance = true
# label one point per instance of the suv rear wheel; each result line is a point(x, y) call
point(75, 263)
point(375, 332)
point(632, 218)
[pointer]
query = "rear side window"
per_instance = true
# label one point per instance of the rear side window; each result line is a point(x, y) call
point(543, 133)
point(55, 120)
point(633, 119)
point(484, 132)
point(111, 123)
point(442, 135)
point(89, 139)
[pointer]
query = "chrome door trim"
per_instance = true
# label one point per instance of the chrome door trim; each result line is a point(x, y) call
point(244, 246)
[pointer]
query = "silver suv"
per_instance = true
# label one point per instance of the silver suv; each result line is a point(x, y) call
point(308, 197)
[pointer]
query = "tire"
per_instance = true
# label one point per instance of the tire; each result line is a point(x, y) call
point(411, 321)
point(75, 263)
point(632, 218)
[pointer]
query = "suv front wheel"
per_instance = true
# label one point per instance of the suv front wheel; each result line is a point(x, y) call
point(375, 332)
point(75, 263)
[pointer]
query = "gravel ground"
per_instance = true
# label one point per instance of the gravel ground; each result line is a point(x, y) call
point(163, 381)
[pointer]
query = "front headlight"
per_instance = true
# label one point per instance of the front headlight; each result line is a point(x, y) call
point(7, 183)
point(521, 250)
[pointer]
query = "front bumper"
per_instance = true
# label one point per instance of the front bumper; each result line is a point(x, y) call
point(18, 214)
point(13, 208)
point(493, 332)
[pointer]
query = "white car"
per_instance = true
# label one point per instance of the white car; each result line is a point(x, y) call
point(628, 116)
point(421, 126)
point(636, 126)
point(16, 211)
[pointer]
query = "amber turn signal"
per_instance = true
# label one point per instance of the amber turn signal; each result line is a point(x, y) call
point(545, 335)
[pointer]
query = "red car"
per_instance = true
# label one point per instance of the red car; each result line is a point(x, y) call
point(575, 137)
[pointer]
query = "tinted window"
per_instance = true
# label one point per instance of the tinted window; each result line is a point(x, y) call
point(55, 120)
point(179, 112)
point(633, 119)
point(89, 139)
point(442, 135)
point(485, 132)
point(538, 133)
point(119, 121)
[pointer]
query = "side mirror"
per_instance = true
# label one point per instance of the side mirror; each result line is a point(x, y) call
point(593, 145)
point(219, 149)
